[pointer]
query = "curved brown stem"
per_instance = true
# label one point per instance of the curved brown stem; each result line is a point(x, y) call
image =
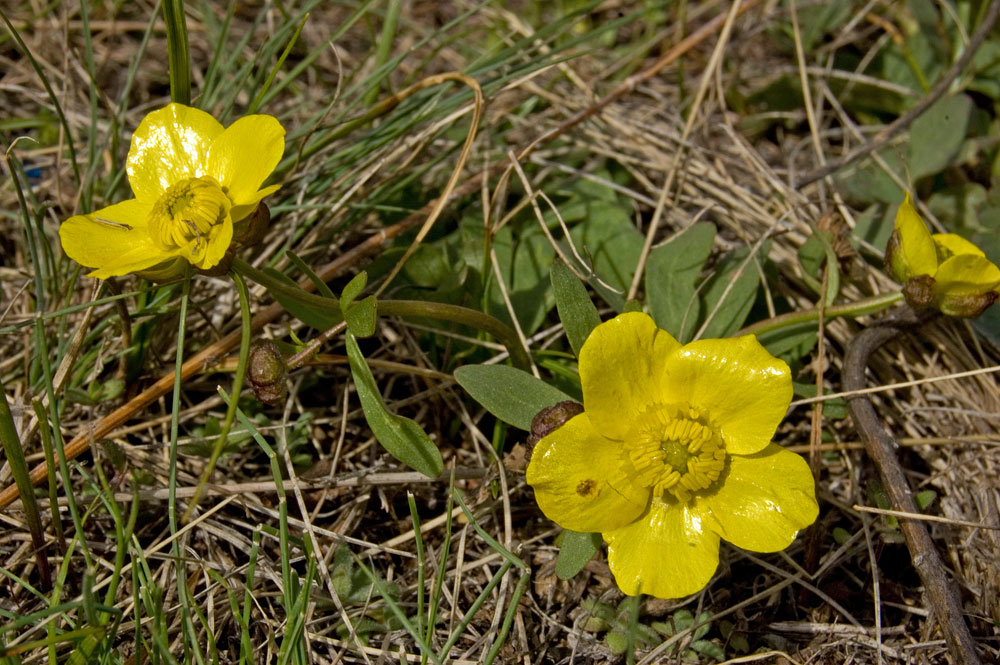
point(880, 445)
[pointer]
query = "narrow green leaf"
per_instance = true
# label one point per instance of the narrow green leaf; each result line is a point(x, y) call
point(575, 550)
point(510, 394)
point(353, 289)
point(671, 273)
point(321, 287)
point(402, 437)
point(303, 305)
point(576, 310)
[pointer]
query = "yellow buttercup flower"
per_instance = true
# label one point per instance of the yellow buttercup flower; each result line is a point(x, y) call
point(943, 270)
point(672, 453)
point(192, 180)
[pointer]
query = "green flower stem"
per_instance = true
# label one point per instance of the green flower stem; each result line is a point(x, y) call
point(19, 469)
point(404, 308)
point(241, 372)
point(464, 316)
point(852, 309)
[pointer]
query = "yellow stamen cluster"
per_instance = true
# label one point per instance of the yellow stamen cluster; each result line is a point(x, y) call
point(187, 214)
point(674, 450)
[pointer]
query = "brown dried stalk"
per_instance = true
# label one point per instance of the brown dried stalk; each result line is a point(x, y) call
point(880, 445)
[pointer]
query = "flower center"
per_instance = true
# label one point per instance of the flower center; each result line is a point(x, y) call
point(674, 450)
point(188, 214)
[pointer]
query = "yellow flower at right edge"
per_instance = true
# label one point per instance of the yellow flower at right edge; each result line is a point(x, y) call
point(943, 270)
point(672, 453)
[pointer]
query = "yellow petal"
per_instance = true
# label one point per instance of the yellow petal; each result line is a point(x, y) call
point(763, 502)
point(219, 239)
point(967, 274)
point(919, 255)
point(240, 212)
point(952, 244)
point(578, 479)
point(169, 145)
point(622, 369)
point(667, 553)
point(113, 240)
point(242, 157)
point(741, 388)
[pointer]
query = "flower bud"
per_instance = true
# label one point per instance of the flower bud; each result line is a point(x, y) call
point(967, 306)
point(895, 262)
point(267, 371)
point(252, 229)
point(552, 418)
point(920, 291)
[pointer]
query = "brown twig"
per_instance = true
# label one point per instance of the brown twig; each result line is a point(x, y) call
point(905, 120)
point(880, 445)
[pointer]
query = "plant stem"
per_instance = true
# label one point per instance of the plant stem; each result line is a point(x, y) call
point(852, 309)
point(404, 308)
point(241, 371)
point(880, 446)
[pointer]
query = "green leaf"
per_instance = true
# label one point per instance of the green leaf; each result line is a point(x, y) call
point(671, 273)
point(791, 342)
point(510, 394)
point(360, 317)
point(303, 305)
point(610, 238)
point(575, 550)
point(353, 289)
point(840, 535)
point(321, 287)
point(937, 135)
point(402, 437)
point(576, 310)
point(737, 302)
point(710, 649)
point(704, 626)
point(922, 499)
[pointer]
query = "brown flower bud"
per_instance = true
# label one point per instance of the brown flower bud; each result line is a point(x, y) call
point(552, 418)
point(267, 371)
point(967, 306)
point(919, 291)
point(252, 229)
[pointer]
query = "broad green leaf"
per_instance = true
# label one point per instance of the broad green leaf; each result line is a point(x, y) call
point(936, 136)
point(575, 550)
point(869, 183)
point(611, 240)
point(709, 649)
point(524, 260)
point(737, 300)
point(576, 310)
point(308, 308)
point(510, 394)
point(402, 437)
point(671, 273)
point(874, 224)
point(360, 317)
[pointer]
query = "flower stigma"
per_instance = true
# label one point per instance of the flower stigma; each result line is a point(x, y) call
point(674, 450)
point(188, 216)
